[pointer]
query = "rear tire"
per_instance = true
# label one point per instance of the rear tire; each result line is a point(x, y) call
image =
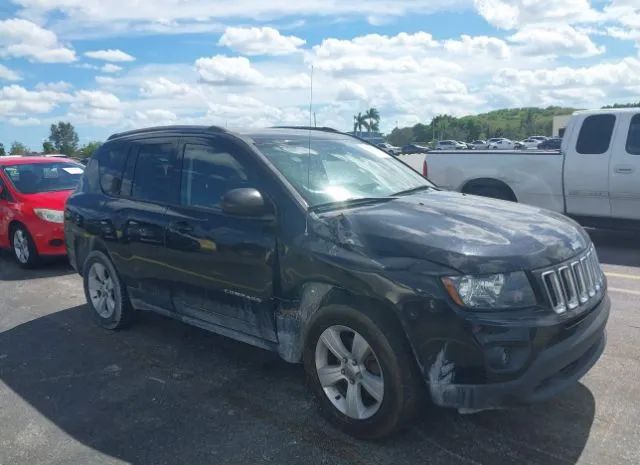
point(105, 293)
point(23, 248)
point(383, 384)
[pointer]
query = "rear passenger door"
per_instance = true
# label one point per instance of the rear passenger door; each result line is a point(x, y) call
point(222, 265)
point(625, 169)
point(586, 170)
point(149, 185)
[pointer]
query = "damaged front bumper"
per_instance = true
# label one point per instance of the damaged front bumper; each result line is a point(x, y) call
point(554, 369)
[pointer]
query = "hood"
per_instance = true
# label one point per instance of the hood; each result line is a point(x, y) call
point(53, 200)
point(468, 233)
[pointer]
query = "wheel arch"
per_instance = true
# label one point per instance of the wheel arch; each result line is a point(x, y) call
point(470, 185)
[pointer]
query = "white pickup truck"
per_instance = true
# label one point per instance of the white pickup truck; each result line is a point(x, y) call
point(595, 177)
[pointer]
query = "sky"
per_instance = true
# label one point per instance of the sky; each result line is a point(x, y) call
point(112, 65)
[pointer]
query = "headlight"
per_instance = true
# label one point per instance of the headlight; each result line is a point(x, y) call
point(496, 291)
point(53, 216)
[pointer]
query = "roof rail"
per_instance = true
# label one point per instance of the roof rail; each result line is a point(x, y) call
point(165, 128)
point(309, 128)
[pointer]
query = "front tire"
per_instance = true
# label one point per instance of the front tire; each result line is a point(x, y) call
point(105, 293)
point(363, 377)
point(23, 248)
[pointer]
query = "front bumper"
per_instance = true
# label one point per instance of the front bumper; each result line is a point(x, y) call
point(554, 369)
point(48, 237)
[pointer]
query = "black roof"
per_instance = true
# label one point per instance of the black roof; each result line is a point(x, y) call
point(291, 131)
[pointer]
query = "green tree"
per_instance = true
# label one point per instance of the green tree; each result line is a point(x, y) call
point(2, 150)
point(64, 138)
point(401, 136)
point(18, 148)
point(87, 150)
point(359, 122)
point(373, 119)
point(47, 147)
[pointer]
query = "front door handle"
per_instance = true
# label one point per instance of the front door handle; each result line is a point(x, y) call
point(624, 169)
point(181, 227)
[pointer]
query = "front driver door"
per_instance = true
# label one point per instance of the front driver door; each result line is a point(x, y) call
point(223, 264)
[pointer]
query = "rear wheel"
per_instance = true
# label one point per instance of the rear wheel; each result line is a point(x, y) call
point(364, 379)
point(494, 192)
point(23, 247)
point(105, 293)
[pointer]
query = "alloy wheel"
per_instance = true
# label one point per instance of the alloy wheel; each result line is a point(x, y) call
point(349, 372)
point(101, 290)
point(21, 246)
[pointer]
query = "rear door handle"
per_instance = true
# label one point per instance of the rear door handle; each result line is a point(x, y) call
point(624, 169)
point(181, 227)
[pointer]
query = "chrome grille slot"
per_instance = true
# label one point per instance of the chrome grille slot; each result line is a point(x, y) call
point(569, 284)
point(573, 284)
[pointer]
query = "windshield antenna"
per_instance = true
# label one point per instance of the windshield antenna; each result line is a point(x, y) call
point(311, 120)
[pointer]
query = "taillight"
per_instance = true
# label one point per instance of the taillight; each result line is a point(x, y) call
point(425, 169)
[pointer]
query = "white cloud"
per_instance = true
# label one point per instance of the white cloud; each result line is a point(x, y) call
point(349, 90)
point(478, 45)
point(110, 68)
point(153, 117)
point(558, 39)
point(510, 14)
point(221, 69)
point(22, 38)
point(109, 55)
point(17, 101)
point(8, 74)
point(96, 107)
point(24, 121)
point(59, 86)
point(163, 87)
point(259, 41)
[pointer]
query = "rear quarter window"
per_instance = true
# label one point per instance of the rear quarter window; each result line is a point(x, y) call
point(111, 161)
point(595, 134)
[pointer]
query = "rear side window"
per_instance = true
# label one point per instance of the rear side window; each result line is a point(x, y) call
point(111, 163)
point(633, 138)
point(209, 172)
point(155, 177)
point(595, 134)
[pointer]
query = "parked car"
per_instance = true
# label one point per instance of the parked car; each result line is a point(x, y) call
point(33, 191)
point(538, 138)
point(553, 143)
point(480, 144)
point(392, 149)
point(595, 178)
point(414, 148)
point(502, 144)
point(450, 145)
point(530, 143)
point(385, 287)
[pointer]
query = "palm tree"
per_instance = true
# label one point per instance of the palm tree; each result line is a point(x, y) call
point(359, 122)
point(373, 118)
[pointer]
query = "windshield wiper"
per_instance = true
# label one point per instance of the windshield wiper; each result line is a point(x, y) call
point(411, 191)
point(349, 203)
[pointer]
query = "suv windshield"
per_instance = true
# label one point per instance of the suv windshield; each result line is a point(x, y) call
point(44, 177)
point(339, 169)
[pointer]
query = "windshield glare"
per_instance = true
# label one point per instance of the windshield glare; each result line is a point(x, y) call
point(44, 177)
point(338, 169)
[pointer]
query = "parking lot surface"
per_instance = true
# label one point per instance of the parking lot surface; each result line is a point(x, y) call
point(166, 393)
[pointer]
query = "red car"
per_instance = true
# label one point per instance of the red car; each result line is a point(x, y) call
point(33, 191)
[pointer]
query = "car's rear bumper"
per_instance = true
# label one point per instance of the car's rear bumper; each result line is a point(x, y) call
point(554, 369)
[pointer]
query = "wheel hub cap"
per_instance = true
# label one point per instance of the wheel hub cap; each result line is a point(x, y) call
point(101, 290)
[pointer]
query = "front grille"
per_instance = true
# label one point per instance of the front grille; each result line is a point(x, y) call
point(575, 283)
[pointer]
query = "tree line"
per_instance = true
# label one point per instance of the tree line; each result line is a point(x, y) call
point(513, 123)
point(63, 139)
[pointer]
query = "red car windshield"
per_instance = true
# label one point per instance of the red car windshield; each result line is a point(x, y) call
point(44, 177)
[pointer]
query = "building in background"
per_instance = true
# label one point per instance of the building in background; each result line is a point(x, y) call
point(559, 125)
point(370, 136)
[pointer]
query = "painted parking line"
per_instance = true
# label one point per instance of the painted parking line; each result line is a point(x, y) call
point(623, 291)
point(622, 275)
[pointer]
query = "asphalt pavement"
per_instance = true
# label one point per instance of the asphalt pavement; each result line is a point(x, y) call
point(162, 392)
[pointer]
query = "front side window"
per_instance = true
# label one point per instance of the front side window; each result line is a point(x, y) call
point(33, 178)
point(633, 137)
point(155, 176)
point(338, 169)
point(595, 134)
point(208, 173)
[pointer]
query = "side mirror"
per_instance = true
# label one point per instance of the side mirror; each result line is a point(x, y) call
point(245, 201)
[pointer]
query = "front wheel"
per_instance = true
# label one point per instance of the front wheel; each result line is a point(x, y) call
point(23, 247)
point(364, 379)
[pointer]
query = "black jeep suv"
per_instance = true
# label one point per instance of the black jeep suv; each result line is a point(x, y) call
point(328, 251)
